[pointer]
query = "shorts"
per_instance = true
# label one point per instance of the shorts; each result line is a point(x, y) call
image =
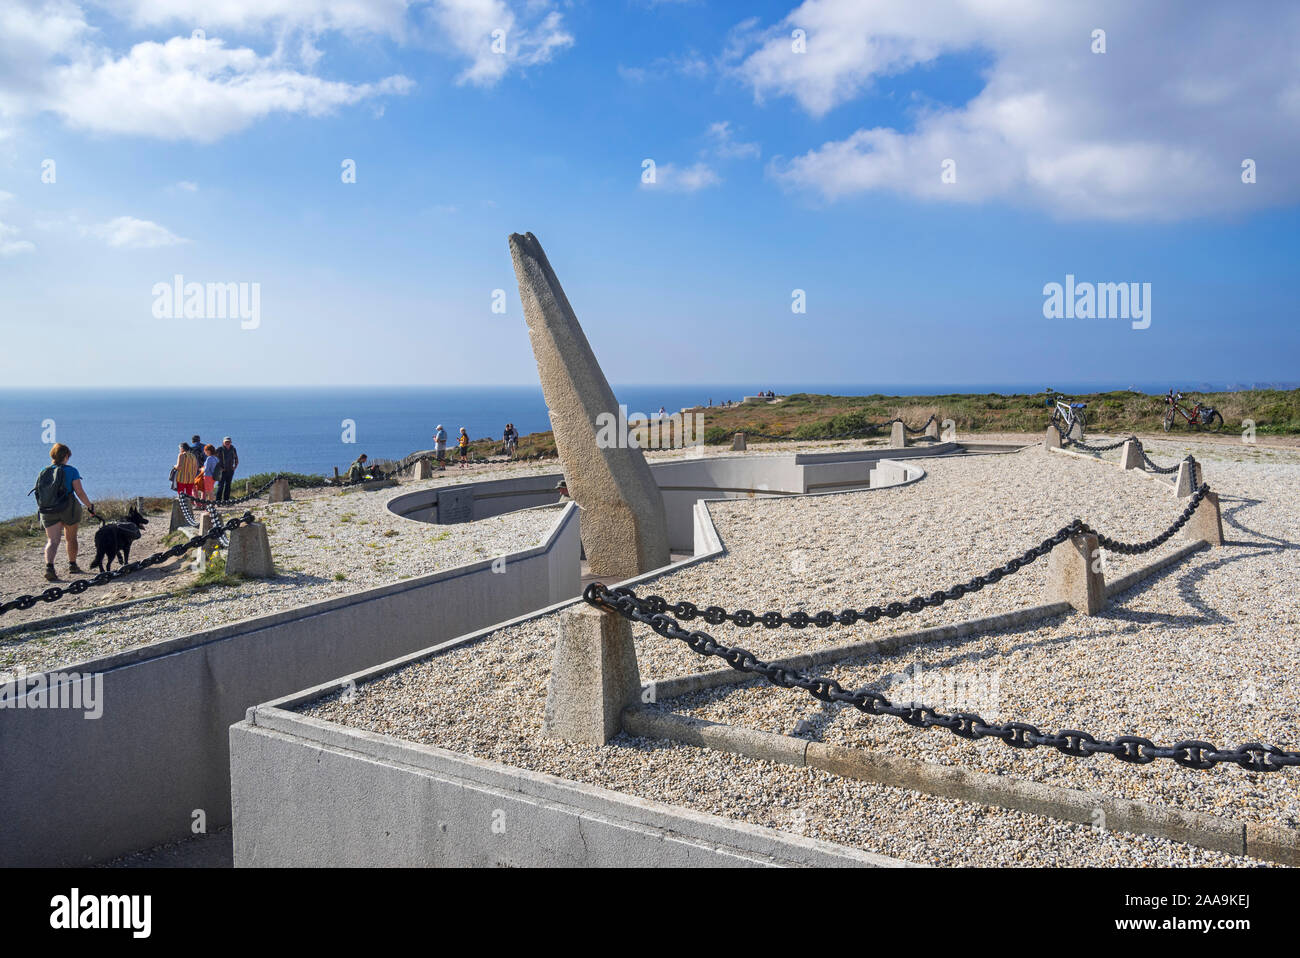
point(208, 483)
point(464, 451)
point(70, 516)
point(186, 487)
point(442, 452)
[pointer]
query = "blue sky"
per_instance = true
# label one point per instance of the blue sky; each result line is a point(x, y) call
point(776, 170)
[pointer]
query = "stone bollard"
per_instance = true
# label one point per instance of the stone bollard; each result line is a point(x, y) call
point(738, 442)
point(897, 436)
point(1189, 478)
point(249, 554)
point(932, 429)
point(1053, 438)
point(280, 491)
point(1074, 574)
point(1131, 455)
point(178, 518)
point(204, 552)
point(594, 676)
point(424, 469)
point(1206, 523)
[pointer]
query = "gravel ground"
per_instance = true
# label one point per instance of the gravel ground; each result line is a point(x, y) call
point(323, 546)
point(1227, 662)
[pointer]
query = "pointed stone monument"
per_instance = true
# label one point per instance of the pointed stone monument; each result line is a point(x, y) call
point(623, 526)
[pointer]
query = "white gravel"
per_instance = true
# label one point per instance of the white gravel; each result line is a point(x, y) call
point(1206, 650)
point(323, 546)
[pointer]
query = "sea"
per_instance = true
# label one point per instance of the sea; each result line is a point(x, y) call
point(124, 441)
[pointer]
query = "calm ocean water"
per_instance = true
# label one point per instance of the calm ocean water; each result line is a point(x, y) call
point(124, 441)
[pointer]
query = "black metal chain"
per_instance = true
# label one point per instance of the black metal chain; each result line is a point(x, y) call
point(1090, 447)
point(79, 586)
point(1190, 753)
point(744, 618)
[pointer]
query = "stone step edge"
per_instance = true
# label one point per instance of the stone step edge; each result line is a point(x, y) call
point(1266, 842)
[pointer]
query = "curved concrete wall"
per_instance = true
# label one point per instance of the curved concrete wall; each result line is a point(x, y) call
point(682, 482)
point(77, 791)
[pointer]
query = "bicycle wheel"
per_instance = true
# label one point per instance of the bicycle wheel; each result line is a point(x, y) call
point(1169, 419)
point(1216, 422)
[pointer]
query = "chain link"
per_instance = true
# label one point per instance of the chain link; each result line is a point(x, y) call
point(54, 593)
point(1190, 753)
point(745, 618)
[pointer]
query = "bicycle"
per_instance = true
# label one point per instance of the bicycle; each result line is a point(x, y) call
point(1200, 415)
point(1067, 414)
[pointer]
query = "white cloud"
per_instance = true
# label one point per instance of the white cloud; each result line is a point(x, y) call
point(181, 88)
point(194, 89)
point(5, 197)
point(371, 16)
point(127, 232)
point(1156, 127)
point(688, 179)
point(724, 144)
point(187, 186)
point(469, 26)
point(12, 247)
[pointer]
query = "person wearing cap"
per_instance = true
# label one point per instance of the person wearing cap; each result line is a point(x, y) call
point(440, 446)
point(229, 463)
point(463, 443)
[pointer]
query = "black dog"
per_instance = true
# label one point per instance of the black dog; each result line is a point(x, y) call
point(113, 539)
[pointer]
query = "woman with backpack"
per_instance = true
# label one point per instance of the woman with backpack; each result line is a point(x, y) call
point(58, 488)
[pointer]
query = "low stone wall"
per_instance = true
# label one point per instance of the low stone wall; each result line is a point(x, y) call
point(79, 790)
point(308, 793)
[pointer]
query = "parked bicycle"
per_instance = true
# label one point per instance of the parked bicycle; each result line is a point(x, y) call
point(1066, 414)
point(1201, 415)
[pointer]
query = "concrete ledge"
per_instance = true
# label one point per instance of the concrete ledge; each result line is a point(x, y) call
point(1106, 812)
point(1048, 801)
point(310, 793)
point(654, 723)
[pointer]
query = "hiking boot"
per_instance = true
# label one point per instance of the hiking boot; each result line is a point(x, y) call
point(74, 569)
point(50, 574)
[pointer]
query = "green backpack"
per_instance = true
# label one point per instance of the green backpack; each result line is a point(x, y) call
point(51, 490)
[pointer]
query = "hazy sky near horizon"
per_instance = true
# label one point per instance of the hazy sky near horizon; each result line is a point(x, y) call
point(919, 171)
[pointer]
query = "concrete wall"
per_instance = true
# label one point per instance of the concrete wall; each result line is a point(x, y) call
point(307, 793)
point(683, 482)
point(75, 791)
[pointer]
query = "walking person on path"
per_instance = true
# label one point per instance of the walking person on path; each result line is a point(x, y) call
point(512, 440)
point(229, 457)
point(440, 446)
point(463, 444)
point(57, 490)
point(186, 470)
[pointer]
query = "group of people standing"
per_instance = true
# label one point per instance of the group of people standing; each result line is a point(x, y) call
point(440, 446)
point(204, 471)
